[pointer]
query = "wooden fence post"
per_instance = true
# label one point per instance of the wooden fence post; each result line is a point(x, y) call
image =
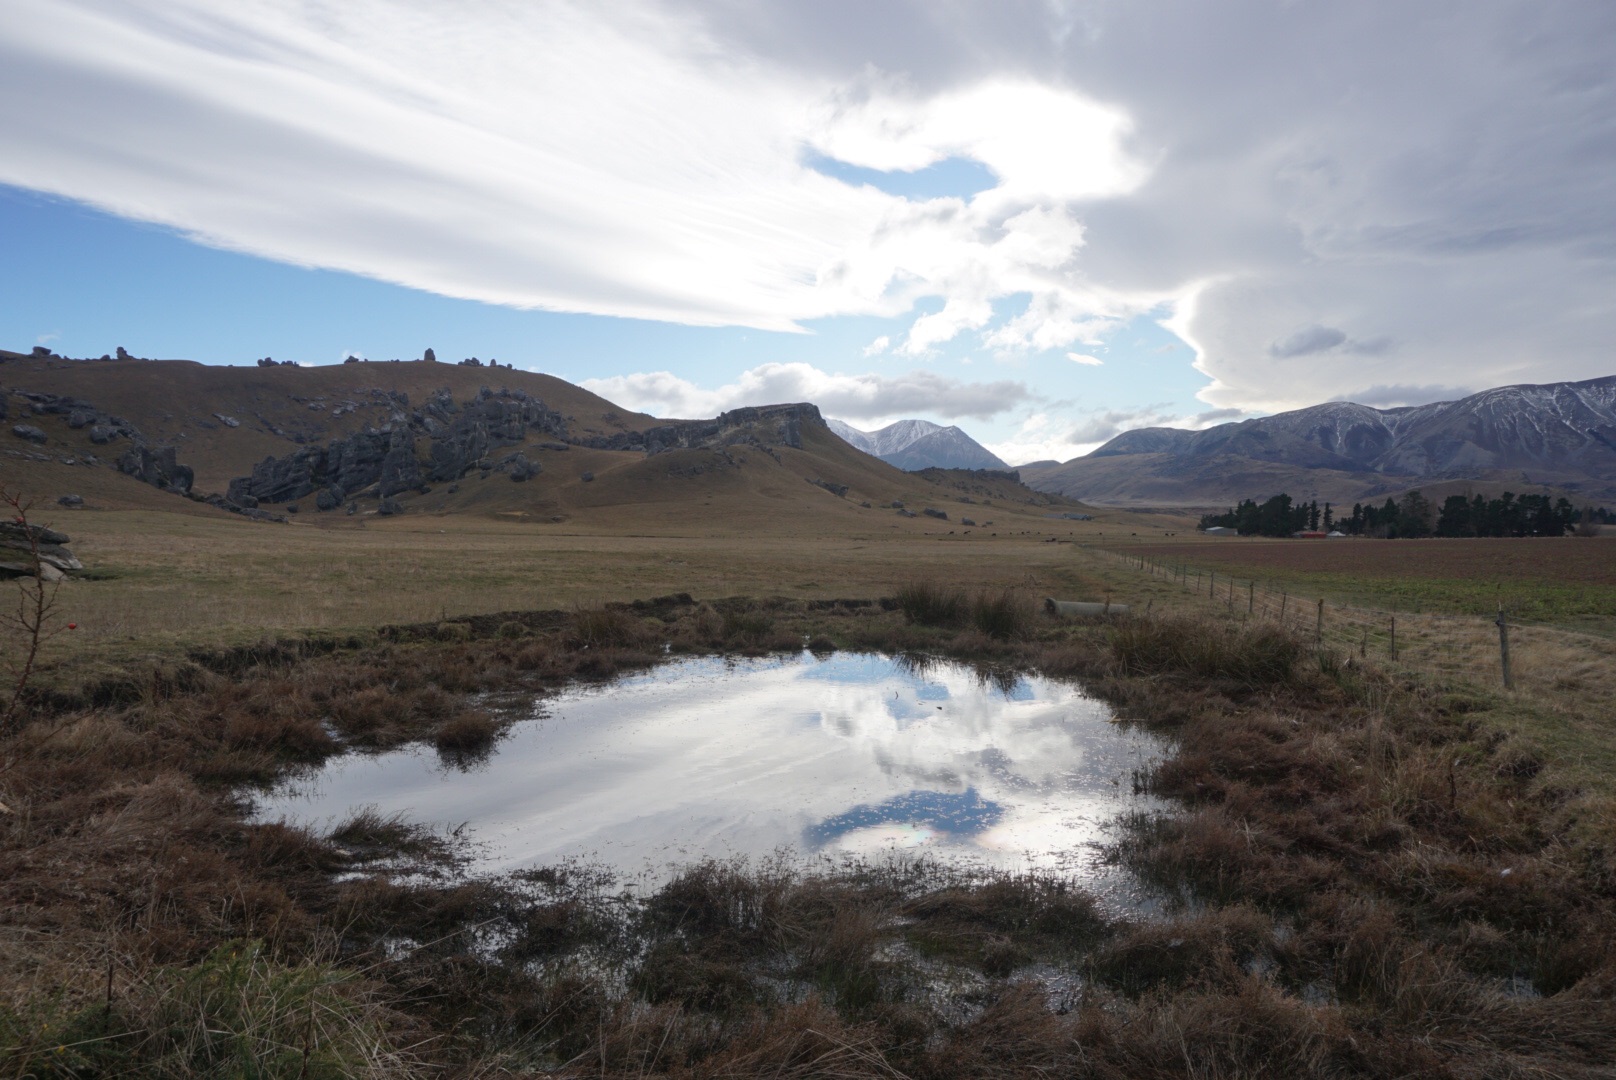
point(1251, 597)
point(1503, 649)
point(1394, 637)
point(1318, 633)
point(1283, 596)
point(1212, 584)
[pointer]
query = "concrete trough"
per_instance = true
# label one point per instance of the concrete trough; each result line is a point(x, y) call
point(1068, 609)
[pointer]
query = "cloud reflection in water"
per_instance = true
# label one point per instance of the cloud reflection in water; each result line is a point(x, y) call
point(710, 757)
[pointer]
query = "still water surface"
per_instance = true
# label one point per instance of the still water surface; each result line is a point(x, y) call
point(852, 754)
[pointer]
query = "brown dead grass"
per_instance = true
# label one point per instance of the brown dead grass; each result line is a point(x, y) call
point(1367, 878)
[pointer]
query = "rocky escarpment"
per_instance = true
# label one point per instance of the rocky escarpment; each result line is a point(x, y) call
point(387, 460)
point(761, 427)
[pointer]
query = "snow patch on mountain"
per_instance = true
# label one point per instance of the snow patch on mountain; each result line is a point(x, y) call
point(919, 444)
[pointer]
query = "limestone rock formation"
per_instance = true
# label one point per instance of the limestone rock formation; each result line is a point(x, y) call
point(761, 426)
point(158, 468)
point(18, 548)
point(388, 458)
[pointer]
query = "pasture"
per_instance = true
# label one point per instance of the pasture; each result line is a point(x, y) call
point(1568, 581)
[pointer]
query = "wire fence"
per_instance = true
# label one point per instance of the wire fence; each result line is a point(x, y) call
point(1487, 651)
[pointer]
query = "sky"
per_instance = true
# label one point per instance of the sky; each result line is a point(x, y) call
point(1047, 221)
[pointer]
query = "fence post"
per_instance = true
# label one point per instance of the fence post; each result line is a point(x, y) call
point(1394, 637)
point(1283, 596)
point(1363, 646)
point(1251, 597)
point(1503, 648)
point(1212, 584)
point(1318, 633)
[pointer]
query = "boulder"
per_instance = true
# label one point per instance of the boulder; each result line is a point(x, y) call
point(20, 545)
point(328, 500)
point(523, 469)
point(29, 432)
point(158, 468)
point(933, 512)
point(80, 418)
point(101, 434)
point(389, 507)
point(73, 502)
point(587, 477)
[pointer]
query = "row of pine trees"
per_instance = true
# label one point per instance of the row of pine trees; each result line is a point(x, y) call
point(1413, 516)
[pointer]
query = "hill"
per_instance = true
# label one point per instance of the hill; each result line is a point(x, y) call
point(437, 439)
point(913, 445)
point(1560, 436)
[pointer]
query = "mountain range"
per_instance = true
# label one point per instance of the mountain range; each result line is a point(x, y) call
point(1561, 435)
point(913, 445)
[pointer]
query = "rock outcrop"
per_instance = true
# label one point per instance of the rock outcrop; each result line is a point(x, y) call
point(764, 426)
point(158, 468)
point(387, 461)
point(20, 544)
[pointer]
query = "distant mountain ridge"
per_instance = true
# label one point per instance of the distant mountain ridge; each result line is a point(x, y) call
point(913, 445)
point(1553, 433)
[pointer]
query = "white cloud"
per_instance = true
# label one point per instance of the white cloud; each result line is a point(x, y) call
point(1081, 358)
point(869, 398)
point(878, 346)
point(552, 156)
point(1328, 197)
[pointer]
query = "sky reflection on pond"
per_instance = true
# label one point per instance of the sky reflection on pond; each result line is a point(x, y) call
point(851, 753)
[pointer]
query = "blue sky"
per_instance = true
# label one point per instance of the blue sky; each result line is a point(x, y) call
point(1045, 220)
point(88, 282)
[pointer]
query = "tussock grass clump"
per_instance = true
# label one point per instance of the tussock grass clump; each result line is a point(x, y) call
point(999, 614)
point(604, 627)
point(930, 604)
point(454, 631)
point(469, 732)
point(1253, 656)
point(1004, 614)
point(237, 1012)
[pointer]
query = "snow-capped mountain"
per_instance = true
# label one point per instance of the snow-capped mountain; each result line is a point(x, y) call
point(1555, 433)
point(1556, 425)
point(919, 444)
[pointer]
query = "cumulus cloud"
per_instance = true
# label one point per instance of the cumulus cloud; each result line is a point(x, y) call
point(860, 397)
point(878, 346)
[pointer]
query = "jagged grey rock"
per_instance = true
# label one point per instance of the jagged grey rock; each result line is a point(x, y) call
point(158, 468)
point(29, 432)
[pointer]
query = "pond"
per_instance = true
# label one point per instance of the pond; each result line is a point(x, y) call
point(848, 755)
